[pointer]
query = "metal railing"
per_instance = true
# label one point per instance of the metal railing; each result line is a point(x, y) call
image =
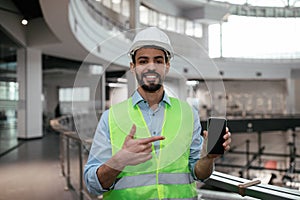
point(251, 188)
point(218, 180)
point(70, 142)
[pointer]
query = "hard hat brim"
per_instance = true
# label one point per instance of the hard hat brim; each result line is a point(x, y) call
point(152, 44)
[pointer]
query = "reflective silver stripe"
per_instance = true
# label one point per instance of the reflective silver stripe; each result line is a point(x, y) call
point(193, 198)
point(171, 178)
point(150, 179)
point(135, 181)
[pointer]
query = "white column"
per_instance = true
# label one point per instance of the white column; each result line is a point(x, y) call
point(134, 19)
point(290, 98)
point(29, 76)
point(204, 39)
point(297, 95)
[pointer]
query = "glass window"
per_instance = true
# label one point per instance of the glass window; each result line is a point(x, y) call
point(234, 1)
point(144, 15)
point(116, 5)
point(162, 21)
point(171, 23)
point(189, 28)
point(153, 16)
point(13, 91)
point(297, 4)
point(180, 27)
point(9, 91)
point(74, 94)
point(258, 37)
point(125, 8)
point(8, 66)
point(2, 90)
point(198, 30)
point(107, 3)
point(267, 3)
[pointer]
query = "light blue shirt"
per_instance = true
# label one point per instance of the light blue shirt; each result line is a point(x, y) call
point(101, 148)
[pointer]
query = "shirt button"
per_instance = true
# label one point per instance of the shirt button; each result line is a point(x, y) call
point(154, 133)
point(153, 114)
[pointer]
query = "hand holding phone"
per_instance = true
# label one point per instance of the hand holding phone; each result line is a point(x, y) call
point(216, 127)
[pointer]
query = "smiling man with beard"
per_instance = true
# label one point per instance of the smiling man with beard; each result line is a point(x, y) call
point(150, 68)
point(149, 146)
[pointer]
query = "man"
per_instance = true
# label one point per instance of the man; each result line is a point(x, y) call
point(148, 147)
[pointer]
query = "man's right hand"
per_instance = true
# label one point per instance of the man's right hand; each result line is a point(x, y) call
point(136, 151)
point(133, 152)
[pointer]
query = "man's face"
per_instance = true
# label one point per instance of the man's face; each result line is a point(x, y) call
point(150, 68)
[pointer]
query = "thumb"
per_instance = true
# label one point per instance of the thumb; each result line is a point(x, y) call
point(132, 131)
point(204, 144)
point(205, 134)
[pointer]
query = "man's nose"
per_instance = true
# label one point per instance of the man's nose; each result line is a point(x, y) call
point(151, 65)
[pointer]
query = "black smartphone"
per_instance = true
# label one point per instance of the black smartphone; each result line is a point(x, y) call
point(216, 127)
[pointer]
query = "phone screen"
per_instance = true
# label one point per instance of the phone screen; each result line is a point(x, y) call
point(216, 128)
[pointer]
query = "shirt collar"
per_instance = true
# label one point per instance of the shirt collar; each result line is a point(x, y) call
point(136, 98)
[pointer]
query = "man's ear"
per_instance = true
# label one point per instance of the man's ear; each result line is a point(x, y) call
point(168, 67)
point(132, 67)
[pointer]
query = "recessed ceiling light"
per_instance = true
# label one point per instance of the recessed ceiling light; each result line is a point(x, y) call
point(24, 22)
point(116, 1)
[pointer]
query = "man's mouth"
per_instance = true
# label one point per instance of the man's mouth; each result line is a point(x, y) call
point(150, 77)
point(150, 81)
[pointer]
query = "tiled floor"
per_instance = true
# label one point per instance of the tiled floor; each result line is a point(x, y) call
point(32, 171)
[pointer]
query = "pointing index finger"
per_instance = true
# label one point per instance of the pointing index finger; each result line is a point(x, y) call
point(151, 139)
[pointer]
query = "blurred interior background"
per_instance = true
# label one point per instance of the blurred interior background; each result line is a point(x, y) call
point(66, 60)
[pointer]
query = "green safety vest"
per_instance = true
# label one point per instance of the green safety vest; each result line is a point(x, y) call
point(167, 174)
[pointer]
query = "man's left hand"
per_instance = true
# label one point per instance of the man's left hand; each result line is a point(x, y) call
point(226, 144)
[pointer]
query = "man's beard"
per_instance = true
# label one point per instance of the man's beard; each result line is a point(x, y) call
point(152, 87)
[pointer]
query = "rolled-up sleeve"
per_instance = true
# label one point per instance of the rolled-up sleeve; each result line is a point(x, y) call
point(196, 144)
point(99, 153)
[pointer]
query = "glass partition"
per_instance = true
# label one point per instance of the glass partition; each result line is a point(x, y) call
point(255, 37)
point(150, 17)
point(267, 3)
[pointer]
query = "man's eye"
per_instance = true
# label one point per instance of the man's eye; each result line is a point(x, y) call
point(159, 61)
point(142, 62)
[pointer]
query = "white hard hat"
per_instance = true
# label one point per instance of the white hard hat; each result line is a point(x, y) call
point(152, 37)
